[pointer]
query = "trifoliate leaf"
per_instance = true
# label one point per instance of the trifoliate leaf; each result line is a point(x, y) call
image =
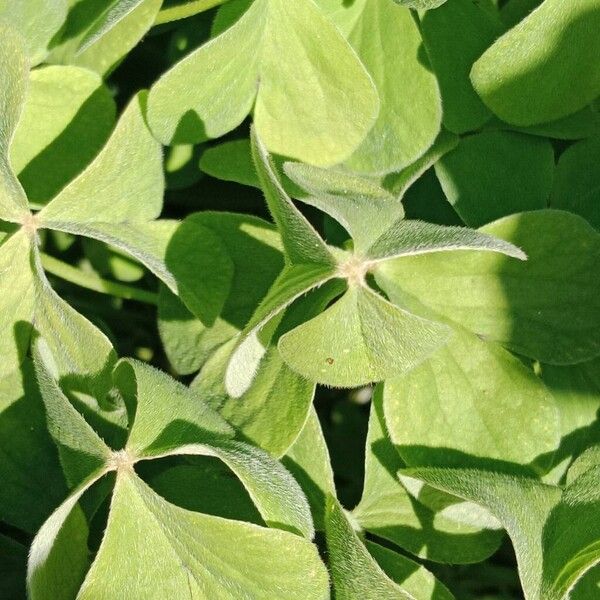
point(544, 68)
point(471, 402)
point(554, 532)
point(577, 181)
point(427, 524)
point(271, 51)
point(361, 338)
point(37, 21)
point(452, 57)
point(522, 305)
point(495, 173)
point(66, 120)
point(177, 552)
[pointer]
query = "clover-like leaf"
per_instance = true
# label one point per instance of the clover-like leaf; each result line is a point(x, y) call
point(388, 42)
point(349, 339)
point(546, 67)
point(496, 173)
point(169, 419)
point(422, 520)
point(554, 531)
point(269, 52)
point(37, 21)
point(522, 305)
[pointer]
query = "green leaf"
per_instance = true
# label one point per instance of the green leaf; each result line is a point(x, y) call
point(168, 415)
point(387, 40)
point(66, 120)
point(356, 573)
point(13, 562)
point(293, 282)
point(81, 450)
point(175, 10)
point(231, 161)
point(361, 338)
point(471, 402)
point(576, 390)
point(308, 461)
point(37, 21)
point(109, 50)
point(58, 557)
point(554, 532)
point(272, 51)
point(495, 173)
point(546, 67)
point(110, 18)
point(32, 479)
point(13, 79)
point(254, 247)
point(427, 523)
point(519, 304)
point(178, 553)
point(415, 579)
point(577, 182)
point(301, 242)
point(452, 56)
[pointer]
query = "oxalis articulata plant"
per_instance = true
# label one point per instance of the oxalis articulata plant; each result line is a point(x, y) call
point(300, 299)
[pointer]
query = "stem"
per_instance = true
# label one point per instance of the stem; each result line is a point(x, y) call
point(95, 283)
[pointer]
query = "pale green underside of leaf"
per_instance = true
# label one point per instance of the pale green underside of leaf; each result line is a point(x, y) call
point(387, 40)
point(36, 20)
point(14, 73)
point(577, 181)
point(546, 67)
point(66, 120)
point(427, 523)
point(471, 401)
point(270, 54)
point(181, 554)
point(496, 173)
point(108, 51)
point(555, 535)
point(522, 305)
point(361, 338)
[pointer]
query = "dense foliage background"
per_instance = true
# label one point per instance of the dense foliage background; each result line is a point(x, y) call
point(312, 217)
